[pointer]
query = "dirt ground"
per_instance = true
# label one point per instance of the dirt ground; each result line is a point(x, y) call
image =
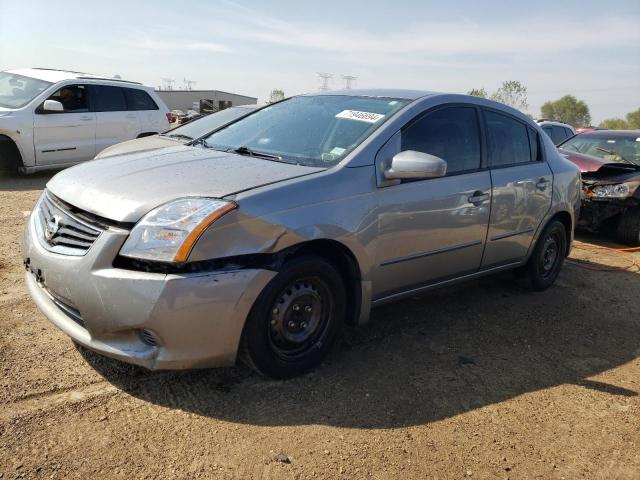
point(482, 380)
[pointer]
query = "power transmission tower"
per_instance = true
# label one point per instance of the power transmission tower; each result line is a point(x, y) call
point(324, 77)
point(348, 79)
point(188, 84)
point(167, 83)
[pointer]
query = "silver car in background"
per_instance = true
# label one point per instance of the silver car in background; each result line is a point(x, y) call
point(262, 239)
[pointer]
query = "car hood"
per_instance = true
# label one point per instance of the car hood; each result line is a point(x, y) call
point(586, 163)
point(143, 144)
point(125, 187)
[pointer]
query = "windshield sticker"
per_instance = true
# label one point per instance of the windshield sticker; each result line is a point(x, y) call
point(368, 117)
point(337, 151)
point(611, 141)
point(638, 139)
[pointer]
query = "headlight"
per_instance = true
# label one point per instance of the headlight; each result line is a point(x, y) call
point(169, 232)
point(619, 190)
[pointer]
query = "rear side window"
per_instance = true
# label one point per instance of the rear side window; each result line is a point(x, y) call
point(107, 99)
point(451, 133)
point(558, 134)
point(534, 145)
point(568, 132)
point(139, 100)
point(508, 140)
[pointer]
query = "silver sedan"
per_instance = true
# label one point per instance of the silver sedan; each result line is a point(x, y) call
point(262, 239)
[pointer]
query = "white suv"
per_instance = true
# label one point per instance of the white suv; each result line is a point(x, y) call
point(558, 131)
point(53, 119)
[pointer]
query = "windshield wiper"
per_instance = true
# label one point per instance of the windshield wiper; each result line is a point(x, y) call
point(243, 150)
point(177, 135)
point(612, 152)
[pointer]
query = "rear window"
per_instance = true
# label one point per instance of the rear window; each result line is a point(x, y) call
point(107, 99)
point(139, 100)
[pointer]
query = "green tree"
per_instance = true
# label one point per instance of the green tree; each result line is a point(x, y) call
point(512, 93)
point(276, 95)
point(478, 92)
point(633, 119)
point(614, 124)
point(567, 109)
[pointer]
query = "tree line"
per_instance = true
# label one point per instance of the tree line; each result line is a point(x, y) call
point(567, 109)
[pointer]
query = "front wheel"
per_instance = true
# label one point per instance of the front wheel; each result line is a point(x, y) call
point(547, 257)
point(629, 227)
point(295, 319)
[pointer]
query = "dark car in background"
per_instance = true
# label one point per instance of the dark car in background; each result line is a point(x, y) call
point(610, 164)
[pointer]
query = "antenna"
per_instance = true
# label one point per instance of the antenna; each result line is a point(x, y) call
point(188, 83)
point(324, 77)
point(167, 83)
point(348, 79)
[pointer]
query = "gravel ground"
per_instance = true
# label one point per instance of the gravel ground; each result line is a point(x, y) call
point(481, 380)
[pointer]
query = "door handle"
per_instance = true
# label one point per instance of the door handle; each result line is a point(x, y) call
point(478, 197)
point(542, 184)
point(86, 118)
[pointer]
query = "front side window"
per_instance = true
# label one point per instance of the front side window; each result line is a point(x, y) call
point(74, 98)
point(452, 133)
point(558, 134)
point(612, 147)
point(315, 131)
point(508, 140)
point(17, 90)
point(107, 99)
point(139, 100)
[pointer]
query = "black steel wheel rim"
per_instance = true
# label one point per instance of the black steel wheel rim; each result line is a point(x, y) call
point(299, 317)
point(550, 255)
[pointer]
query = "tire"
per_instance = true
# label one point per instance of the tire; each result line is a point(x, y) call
point(9, 158)
point(295, 319)
point(629, 227)
point(547, 258)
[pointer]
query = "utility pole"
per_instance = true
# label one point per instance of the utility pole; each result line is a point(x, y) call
point(188, 83)
point(348, 79)
point(324, 77)
point(167, 83)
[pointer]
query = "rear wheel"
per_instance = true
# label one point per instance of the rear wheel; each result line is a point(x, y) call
point(295, 319)
point(547, 257)
point(629, 227)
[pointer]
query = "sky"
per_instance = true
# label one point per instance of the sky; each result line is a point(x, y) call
point(590, 49)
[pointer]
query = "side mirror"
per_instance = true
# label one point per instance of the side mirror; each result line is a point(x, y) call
point(412, 164)
point(52, 106)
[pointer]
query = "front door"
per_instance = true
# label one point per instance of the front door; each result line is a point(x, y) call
point(522, 187)
point(68, 136)
point(435, 228)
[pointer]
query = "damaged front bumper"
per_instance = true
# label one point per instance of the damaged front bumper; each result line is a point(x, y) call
point(156, 320)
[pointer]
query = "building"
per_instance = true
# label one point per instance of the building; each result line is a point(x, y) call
point(205, 101)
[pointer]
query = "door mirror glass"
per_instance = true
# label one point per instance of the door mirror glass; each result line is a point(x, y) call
point(52, 106)
point(413, 164)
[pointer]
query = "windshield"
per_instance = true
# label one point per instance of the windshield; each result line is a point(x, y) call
point(610, 147)
point(204, 125)
point(314, 131)
point(16, 90)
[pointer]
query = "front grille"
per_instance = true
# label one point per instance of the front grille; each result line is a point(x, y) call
point(60, 231)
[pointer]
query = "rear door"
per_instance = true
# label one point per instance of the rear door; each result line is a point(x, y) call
point(151, 119)
point(522, 186)
point(434, 228)
point(114, 123)
point(68, 136)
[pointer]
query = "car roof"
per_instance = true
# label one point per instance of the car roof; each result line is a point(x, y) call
point(53, 75)
point(378, 92)
point(553, 122)
point(612, 134)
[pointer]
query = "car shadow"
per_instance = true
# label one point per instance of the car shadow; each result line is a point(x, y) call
point(15, 182)
point(426, 358)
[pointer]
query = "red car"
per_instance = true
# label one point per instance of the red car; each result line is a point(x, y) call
point(610, 164)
